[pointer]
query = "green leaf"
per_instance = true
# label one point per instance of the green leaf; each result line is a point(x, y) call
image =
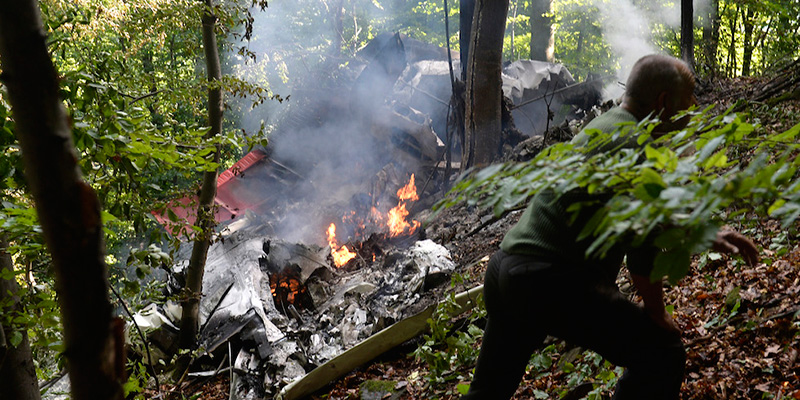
point(16, 338)
point(776, 206)
point(462, 388)
point(789, 136)
point(540, 394)
point(733, 297)
point(675, 196)
point(658, 156)
point(648, 191)
point(670, 239)
point(105, 217)
point(648, 175)
point(171, 215)
point(709, 148)
point(718, 160)
point(642, 138)
point(674, 264)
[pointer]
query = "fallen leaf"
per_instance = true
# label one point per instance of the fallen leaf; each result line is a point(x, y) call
point(774, 349)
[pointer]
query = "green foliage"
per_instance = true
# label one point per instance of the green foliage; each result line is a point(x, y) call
point(577, 367)
point(775, 41)
point(137, 381)
point(446, 349)
point(134, 87)
point(583, 34)
point(675, 188)
point(590, 367)
point(579, 41)
point(41, 318)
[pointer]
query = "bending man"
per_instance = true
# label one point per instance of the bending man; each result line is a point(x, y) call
point(540, 282)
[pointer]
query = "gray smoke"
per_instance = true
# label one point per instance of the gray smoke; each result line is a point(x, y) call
point(325, 132)
point(627, 28)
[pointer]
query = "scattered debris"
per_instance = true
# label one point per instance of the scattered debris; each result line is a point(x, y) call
point(285, 309)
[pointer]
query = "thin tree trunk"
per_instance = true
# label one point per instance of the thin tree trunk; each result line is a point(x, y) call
point(514, 30)
point(542, 32)
point(205, 210)
point(582, 29)
point(761, 42)
point(484, 84)
point(711, 39)
point(337, 22)
point(747, 53)
point(17, 372)
point(68, 208)
point(466, 12)
point(687, 32)
point(732, 48)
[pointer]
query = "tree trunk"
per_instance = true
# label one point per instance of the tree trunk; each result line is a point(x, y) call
point(514, 31)
point(761, 42)
point(711, 39)
point(747, 52)
point(581, 30)
point(466, 12)
point(17, 372)
point(68, 209)
point(337, 23)
point(687, 32)
point(542, 32)
point(205, 209)
point(484, 84)
point(732, 48)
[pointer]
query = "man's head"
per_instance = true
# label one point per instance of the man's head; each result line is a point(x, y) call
point(662, 86)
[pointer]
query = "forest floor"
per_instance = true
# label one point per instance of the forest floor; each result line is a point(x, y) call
point(740, 324)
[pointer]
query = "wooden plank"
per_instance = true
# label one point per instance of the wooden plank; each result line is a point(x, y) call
point(370, 348)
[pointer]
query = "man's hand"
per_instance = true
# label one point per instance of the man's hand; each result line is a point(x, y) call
point(664, 320)
point(730, 241)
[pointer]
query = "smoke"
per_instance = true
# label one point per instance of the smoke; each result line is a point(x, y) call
point(627, 30)
point(704, 8)
point(328, 132)
point(627, 27)
point(323, 134)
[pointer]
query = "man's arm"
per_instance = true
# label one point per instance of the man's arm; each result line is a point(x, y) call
point(653, 296)
point(727, 241)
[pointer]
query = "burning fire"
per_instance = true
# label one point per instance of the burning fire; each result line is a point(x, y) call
point(397, 216)
point(289, 287)
point(341, 255)
point(394, 220)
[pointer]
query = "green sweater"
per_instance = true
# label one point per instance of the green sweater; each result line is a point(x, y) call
point(544, 230)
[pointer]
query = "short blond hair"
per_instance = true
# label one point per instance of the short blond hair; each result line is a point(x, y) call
point(654, 74)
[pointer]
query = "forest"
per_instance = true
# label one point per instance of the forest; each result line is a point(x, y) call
point(233, 199)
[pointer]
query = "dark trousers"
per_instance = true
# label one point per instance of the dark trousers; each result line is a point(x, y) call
point(527, 300)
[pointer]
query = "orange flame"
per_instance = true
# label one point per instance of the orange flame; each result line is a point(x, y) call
point(409, 191)
point(397, 216)
point(395, 220)
point(341, 255)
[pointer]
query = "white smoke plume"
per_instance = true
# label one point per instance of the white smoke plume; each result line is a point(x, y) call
point(627, 31)
point(627, 27)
